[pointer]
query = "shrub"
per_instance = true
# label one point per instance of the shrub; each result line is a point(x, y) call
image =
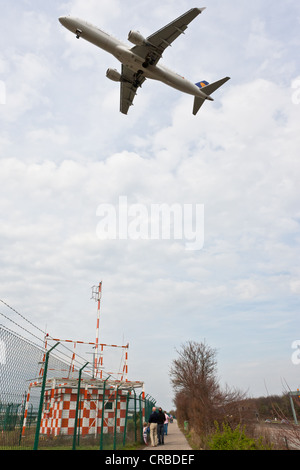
point(233, 439)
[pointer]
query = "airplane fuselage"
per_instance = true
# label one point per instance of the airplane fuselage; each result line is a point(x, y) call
point(127, 57)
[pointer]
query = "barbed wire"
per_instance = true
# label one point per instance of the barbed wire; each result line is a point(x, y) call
point(62, 353)
point(17, 324)
point(21, 316)
point(5, 327)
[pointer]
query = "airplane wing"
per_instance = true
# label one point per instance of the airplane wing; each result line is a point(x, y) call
point(152, 52)
point(129, 85)
point(159, 41)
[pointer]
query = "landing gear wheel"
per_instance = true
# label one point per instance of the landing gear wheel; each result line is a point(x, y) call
point(138, 75)
point(78, 33)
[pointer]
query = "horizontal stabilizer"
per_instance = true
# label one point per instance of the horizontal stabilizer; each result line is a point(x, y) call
point(198, 102)
point(209, 89)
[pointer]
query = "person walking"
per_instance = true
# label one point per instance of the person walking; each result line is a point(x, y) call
point(145, 433)
point(153, 427)
point(160, 426)
point(166, 423)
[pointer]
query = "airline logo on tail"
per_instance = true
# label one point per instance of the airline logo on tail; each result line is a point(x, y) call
point(202, 84)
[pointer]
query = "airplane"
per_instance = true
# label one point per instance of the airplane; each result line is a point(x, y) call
point(141, 61)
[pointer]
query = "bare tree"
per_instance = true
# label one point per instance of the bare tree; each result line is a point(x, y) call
point(193, 376)
point(195, 367)
point(198, 396)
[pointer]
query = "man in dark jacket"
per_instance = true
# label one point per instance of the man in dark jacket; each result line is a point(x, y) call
point(153, 427)
point(160, 426)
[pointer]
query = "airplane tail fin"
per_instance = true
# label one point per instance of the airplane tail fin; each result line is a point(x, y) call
point(208, 89)
point(202, 84)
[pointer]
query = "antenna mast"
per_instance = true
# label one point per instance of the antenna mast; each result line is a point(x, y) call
point(96, 295)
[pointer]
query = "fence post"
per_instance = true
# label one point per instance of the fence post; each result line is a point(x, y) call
point(126, 419)
point(39, 418)
point(77, 406)
point(135, 438)
point(22, 419)
point(116, 416)
point(293, 409)
point(146, 407)
point(102, 414)
point(141, 416)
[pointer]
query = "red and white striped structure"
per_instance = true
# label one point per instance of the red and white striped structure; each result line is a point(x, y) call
point(124, 372)
point(59, 416)
point(98, 362)
point(60, 400)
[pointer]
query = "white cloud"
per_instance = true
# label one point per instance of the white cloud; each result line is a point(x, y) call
point(28, 74)
point(295, 286)
point(65, 149)
point(260, 45)
point(248, 289)
point(92, 9)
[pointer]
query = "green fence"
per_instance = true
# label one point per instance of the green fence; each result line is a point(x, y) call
point(45, 403)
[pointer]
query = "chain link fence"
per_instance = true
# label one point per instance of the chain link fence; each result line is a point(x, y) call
point(19, 363)
point(50, 400)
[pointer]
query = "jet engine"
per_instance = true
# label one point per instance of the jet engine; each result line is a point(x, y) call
point(136, 38)
point(114, 75)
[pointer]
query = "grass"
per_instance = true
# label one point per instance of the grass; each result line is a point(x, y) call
point(11, 441)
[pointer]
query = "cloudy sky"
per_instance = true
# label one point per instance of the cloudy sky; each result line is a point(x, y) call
point(66, 153)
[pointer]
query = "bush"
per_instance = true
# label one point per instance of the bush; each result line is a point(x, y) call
point(234, 439)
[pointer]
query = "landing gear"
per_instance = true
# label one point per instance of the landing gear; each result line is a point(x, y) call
point(78, 33)
point(149, 60)
point(138, 75)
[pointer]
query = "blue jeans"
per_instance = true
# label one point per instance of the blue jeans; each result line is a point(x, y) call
point(160, 433)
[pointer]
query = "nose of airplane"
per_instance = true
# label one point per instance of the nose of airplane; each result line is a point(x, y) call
point(68, 22)
point(63, 20)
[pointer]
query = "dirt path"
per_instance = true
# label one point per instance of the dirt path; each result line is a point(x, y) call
point(174, 440)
